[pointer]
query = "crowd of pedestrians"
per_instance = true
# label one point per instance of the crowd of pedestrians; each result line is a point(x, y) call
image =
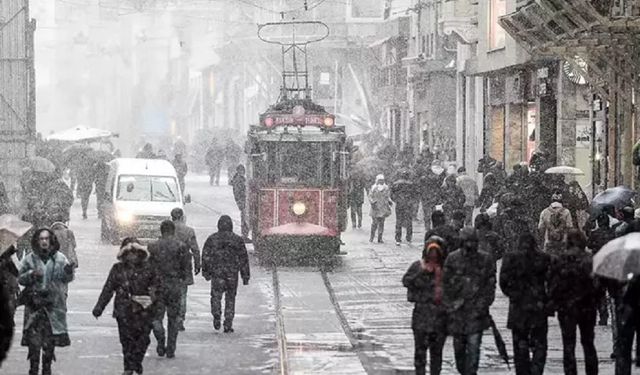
point(148, 282)
point(544, 259)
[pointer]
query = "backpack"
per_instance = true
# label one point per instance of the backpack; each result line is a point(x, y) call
point(556, 229)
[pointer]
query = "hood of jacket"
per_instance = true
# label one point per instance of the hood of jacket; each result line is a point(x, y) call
point(133, 247)
point(225, 224)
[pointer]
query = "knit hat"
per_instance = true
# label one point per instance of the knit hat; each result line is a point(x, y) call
point(379, 177)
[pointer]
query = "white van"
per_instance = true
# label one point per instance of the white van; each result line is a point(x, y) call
point(140, 194)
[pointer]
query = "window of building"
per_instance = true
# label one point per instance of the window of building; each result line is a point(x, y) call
point(497, 35)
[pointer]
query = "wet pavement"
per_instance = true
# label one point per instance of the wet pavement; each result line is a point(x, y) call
point(366, 287)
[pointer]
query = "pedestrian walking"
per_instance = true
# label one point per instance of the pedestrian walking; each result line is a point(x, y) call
point(625, 226)
point(146, 152)
point(577, 204)
point(554, 224)
point(469, 290)
point(453, 197)
point(9, 290)
point(58, 199)
point(67, 242)
point(423, 281)
point(628, 326)
point(213, 160)
point(470, 189)
point(170, 260)
point(430, 185)
point(181, 168)
point(239, 185)
point(489, 192)
point(224, 256)
point(599, 237)
point(357, 189)
point(45, 273)
point(404, 194)
point(524, 280)
point(7, 324)
point(101, 175)
point(489, 241)
point(85, 187)
point(187, 236)
point(575, 297)
point(445, 231)
point(133, 282)
point(380, 199)
point(232, 153)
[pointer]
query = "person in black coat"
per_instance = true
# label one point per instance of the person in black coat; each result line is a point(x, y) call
point(453, 197)
point(224, 256)
point(133, 282)
point(8, 292)
point(445, 231)
point(430, 186)
point(170, 259)
point(404, 194)
point(469, 284)
point(357, 189)
point(575, 295)
point(239, 185)
point(423, 281)
point(187, 236)
point(628, 324)
point(523, 278)
point(490, 241)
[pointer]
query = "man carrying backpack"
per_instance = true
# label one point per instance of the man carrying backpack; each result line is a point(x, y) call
point(555, 222)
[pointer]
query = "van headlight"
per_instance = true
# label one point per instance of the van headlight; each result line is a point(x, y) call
point(299, 208)
point(124, 217)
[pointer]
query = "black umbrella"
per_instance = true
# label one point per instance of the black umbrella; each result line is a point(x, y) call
point(502, 348)
point(617, 197)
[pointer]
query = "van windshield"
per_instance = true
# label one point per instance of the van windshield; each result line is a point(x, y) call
point(147, 189)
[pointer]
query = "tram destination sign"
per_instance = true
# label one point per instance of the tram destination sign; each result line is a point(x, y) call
point(288, 119)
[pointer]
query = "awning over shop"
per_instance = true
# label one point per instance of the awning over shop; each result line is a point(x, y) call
point(594, 44)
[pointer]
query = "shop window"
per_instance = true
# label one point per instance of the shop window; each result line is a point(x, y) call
point(497, 9)
point(496, 133)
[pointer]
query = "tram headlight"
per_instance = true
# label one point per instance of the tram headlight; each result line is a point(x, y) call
point(328, 121)
point(299, 208)
point(125, 217)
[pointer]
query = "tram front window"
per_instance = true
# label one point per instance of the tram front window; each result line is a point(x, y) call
point(304, 163)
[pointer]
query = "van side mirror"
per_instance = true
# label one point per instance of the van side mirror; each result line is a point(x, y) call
point(187, 198)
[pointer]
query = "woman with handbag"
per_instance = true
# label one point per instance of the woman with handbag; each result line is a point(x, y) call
point(45, 273)
point(133, 282)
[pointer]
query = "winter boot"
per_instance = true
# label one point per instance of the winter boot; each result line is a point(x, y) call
point(161, 350)
point(216, 323)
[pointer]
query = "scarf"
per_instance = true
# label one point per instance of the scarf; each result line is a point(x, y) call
point(436, 269)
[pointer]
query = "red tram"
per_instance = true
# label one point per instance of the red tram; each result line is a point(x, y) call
point(297, 181)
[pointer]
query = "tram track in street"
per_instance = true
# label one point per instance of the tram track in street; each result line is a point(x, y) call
point(285, 347)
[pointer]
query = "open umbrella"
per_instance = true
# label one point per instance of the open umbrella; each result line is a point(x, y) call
point(619, 259)
point(618, 197)
point(500, 345)
point(11, 228)
point(80, 133)
point(40, 164)
point(563, 169)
